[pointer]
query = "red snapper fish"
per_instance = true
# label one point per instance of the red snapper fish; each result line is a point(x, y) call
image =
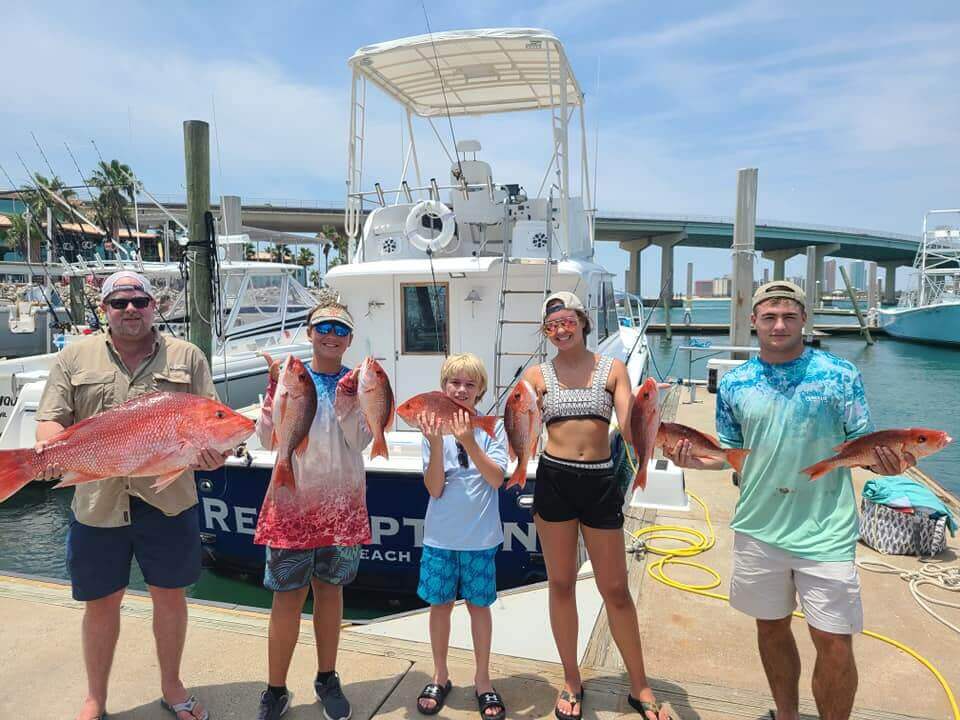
point(918, 442)
point(522, 421)
point(368, 385)
point(701, 445)
point(294, 408)
point(644, 422)
point(157, 435)
point(444, 408)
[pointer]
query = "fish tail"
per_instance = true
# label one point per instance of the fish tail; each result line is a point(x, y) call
point(818, 470)
point(519, 476)
point(379, 447)
point(737, 457)
point(488, 423)
point(283, 474)
point(16, 470)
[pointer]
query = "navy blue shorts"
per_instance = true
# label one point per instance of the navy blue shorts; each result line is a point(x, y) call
point(167, 550)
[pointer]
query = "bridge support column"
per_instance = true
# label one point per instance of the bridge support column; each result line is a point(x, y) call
point(632, 277)
point(890, 282)
point(822, 252)
point(780, 258)
point(666, 243)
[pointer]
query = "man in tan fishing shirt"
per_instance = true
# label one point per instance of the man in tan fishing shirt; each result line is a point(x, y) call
point(117, 519)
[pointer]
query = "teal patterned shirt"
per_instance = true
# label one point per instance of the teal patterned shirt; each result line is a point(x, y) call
point(790, 416)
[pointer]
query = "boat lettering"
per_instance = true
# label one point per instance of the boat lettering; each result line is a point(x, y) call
point(7, 401)
point(218, 516)
point(387, 555)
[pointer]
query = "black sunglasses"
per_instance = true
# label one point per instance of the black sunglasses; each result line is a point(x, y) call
point(462, 457)
point(121, 303)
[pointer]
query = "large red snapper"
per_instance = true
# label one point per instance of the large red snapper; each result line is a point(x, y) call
point(861, 452)
point(444, 408)
point(522, 421)
point(701, 444)
point(376, 403)
point(156, 435)
point(294, 408)
point(644, 422)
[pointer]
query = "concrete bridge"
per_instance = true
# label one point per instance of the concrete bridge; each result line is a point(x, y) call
point(635, 232)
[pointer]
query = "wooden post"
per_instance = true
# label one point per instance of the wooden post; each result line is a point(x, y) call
point(744, 232)
point(196, 149)
point(811, 289)
point(856, 308)
point(78, 302)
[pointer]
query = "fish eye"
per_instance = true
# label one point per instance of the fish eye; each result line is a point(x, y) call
point(220, 415)
point(922, 438)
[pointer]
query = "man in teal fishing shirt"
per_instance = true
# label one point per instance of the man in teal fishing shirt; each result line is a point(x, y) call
point(795, 538)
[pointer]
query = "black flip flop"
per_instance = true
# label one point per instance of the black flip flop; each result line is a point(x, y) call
point(435, 692)
point(488, 700)
point(575, 699)
point(643, 707)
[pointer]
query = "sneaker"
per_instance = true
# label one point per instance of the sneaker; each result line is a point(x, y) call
point(271, 708)
point(330, 695)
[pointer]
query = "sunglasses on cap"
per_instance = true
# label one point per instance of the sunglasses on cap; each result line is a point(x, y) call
point(121, 303)
point(328, 326)
point(552, 327)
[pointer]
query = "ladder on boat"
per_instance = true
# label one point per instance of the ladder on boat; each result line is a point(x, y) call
point(505, 317)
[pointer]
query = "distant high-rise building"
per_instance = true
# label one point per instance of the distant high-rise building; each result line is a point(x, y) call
point(829, 276)
point(721, 287)
point(858, 275)
point(703, 288)
point(799, 281)
point(766, 275)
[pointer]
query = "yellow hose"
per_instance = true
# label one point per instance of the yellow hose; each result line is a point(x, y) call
point(698, 542)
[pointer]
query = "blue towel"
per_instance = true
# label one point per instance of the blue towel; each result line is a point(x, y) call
point(899, 491)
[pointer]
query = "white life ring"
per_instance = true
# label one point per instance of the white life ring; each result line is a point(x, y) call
point(415, 230)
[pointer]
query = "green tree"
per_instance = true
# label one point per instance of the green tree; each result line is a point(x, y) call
point(280, 253)
point(306, 258)
point(17, 237)
point(249, 251)
point(116, 192)
point(38, 201)
point(338, 245)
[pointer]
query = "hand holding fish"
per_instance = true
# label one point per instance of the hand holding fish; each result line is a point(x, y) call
point(890, 463)
point(885, 452)
point(210, 459)
point(50, 472)
point(682, 455)
point(430, 426)
point(461, 427)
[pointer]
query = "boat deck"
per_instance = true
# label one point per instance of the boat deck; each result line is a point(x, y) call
point(700, 654)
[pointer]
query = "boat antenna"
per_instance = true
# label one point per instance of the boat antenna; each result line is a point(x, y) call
point(443, 91)
point(596, 137)
point(643, 328)
point(216, 135)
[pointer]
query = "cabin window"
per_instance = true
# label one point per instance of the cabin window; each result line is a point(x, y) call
point(425, 319)
point(607, 322)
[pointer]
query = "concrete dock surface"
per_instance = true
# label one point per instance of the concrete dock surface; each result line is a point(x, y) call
point(700, 654)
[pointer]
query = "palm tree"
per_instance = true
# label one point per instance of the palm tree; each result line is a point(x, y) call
point(112, 180)
point(336, 241)
point(38, 201)
point(280, 253)
point(305, 258)
point(17, 237)
point(249, 251)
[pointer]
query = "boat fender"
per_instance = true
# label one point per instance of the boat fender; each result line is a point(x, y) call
point(415, 230)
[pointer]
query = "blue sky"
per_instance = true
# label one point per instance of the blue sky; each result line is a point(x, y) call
point(849, 110)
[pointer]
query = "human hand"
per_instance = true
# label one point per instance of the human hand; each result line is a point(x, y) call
point(209, 459)
point(430, 426)
point(682, 455)
point(50, 471)
point(348, 383)
point(889, 462)
point(461, 427)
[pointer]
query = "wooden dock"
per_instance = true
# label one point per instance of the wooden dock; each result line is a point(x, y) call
point(700, 654)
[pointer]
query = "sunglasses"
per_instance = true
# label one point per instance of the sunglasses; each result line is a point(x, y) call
point(328, 326)
point(553, 326)
point(121, 303)
point(462, 457)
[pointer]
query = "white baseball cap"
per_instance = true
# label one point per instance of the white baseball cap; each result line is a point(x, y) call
point(561, 300)
point(125, 280)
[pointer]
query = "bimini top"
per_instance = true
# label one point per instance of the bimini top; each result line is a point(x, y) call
point(483, 71)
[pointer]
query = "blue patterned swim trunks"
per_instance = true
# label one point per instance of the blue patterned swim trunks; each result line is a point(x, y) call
point(443, 572)
point(293, 569)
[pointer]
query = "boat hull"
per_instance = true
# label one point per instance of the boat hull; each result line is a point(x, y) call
point(933, 324)
point(230, 500)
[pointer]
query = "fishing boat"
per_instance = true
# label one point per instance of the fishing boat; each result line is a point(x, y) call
point(931, 312)
point(459, 264)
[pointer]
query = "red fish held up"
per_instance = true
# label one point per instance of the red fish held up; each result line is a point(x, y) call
point(644, 422)
point(160, 434)
point(444, 408)
point(522, 421)
point(368, 385)
point(918, 442)
point(294, 407)
point(701, 444)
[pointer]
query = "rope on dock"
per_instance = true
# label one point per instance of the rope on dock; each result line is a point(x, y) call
point(931, 572)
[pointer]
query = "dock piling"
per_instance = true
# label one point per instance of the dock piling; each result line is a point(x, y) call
point(856, 307)
point(744, 231)
point(196, 149)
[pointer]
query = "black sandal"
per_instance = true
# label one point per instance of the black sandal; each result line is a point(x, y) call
point(643, 707)
point(488, 700)
point(435, 692)
point(575, 699)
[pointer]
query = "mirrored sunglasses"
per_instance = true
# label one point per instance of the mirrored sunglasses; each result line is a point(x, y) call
point(328, 326)
point(121, 303)
point(552, 327)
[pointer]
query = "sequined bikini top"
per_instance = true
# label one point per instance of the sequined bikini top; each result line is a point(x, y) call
point(594, 401)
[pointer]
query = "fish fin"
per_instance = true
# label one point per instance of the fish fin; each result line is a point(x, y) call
point(736, 457)
point(488, 423)
point(16, 470)
point(283, 475)
point(72, 477)
point(519, 476)
point(818, 470)
point(379, 447)
point(842, 446)
point(301, 447)
point(166, 480)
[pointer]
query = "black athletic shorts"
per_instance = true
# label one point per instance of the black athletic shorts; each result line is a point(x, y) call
point(569, 490)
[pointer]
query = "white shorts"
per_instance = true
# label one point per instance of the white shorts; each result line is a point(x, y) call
point(767, 581)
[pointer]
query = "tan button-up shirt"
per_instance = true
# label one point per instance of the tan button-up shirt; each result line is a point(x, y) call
point(89, 377)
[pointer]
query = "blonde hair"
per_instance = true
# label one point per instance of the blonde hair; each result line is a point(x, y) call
point(466, 363)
